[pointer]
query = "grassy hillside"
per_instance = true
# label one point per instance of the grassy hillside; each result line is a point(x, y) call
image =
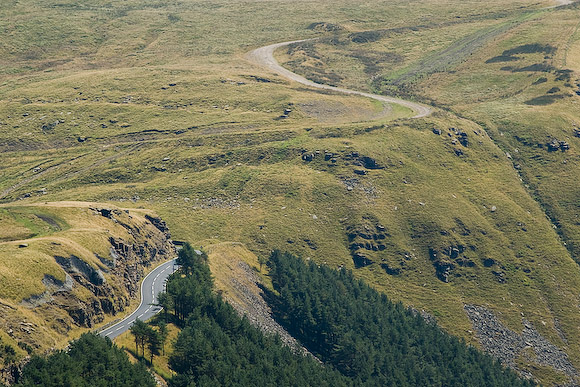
point(159, 109)
point(68, 266)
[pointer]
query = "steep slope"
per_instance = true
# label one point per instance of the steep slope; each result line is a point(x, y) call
point(66, 267)
point(160, 111)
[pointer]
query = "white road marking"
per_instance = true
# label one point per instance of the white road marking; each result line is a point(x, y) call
point(129, 320)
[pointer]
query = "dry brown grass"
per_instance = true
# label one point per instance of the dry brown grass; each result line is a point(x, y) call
point(224, 261)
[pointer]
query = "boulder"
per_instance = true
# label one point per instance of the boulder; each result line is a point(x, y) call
point(360, 260)
point(553, 146)
point(499, 276)
point(391, 270)
point(370, 163)
point(443, 270)
point(106, 212)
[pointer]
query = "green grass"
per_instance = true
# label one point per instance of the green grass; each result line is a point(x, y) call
point(209, 156)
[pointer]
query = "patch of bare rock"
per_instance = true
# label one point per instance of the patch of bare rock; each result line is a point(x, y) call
point(257, 311)
point(507, 345)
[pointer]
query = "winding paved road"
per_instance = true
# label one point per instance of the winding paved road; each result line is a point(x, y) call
point(154, 282)
point(152, 285)
point(264, 56)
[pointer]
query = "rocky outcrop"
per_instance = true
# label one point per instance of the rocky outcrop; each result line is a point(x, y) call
point(365, 237)
point(555, 145)
point(160, 224)
point(391, 270)
point(53, 285)
point(347, 158)
point(443, 267)
point(508, 346)
point(362, 161)
point(10, 373)
point(111, 281)
point(76, 266)
point(447, 259)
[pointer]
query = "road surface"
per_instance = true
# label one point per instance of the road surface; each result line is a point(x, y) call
point(560, 3)
point(264, 56)
point(152, 285)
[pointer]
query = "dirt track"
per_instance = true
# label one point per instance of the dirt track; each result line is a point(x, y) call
point(264, 56)
point(561, 3)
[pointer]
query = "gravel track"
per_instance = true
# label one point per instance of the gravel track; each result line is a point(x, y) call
point(264, 56)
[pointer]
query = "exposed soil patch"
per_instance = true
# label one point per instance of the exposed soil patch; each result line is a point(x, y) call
point(47, 219)
point(334, 112)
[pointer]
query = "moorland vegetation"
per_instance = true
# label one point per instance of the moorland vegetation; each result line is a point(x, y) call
point(153, 105)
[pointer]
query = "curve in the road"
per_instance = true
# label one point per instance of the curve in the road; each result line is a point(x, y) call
point(264, 56)
point(151, 286)
point(560, 3)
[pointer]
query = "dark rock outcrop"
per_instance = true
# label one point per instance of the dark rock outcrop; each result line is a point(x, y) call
point(106, 212)
point(446, 260)
point(362, 161)
point(391, 270)
point(555, 145)
point(366, 237)
point(360, 260)
point(111, 281)
point(500, 276)
point(159, 224)
point(442, 267)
